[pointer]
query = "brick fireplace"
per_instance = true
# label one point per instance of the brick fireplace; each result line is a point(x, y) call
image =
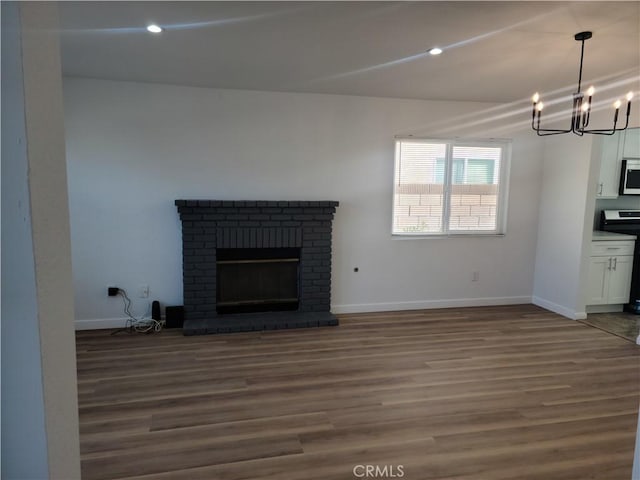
point(257, 244)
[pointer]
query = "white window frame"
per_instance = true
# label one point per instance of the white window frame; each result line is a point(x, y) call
point(503, 187)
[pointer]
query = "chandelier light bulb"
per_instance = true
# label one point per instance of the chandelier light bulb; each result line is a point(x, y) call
point(591, 91)
point(536, 97)
point(617, 104)
point(154, 28)
point(585, 107)
point(629, 96)
point(540, 106)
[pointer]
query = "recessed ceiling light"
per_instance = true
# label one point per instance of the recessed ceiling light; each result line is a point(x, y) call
point(435, 51)
point(154, 28)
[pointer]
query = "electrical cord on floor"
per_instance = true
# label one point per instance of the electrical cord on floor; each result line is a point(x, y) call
point(133, 324)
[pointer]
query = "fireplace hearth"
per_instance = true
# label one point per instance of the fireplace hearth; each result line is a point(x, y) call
point(256, 265)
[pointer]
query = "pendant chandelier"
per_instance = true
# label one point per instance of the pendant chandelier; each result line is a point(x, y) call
point(581, 109)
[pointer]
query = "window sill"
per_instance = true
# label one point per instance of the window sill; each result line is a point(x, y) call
point(399, 236)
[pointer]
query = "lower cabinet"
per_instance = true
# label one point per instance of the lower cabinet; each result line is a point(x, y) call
point(610, 270)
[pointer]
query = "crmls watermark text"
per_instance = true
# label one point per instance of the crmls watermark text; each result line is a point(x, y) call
point(378, 471)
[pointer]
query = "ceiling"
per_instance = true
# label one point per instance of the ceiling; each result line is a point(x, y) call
point(493, 51)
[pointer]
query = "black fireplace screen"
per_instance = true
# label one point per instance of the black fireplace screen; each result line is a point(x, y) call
point(257, 279)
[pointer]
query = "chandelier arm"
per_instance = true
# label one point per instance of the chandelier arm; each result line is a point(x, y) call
point(595, 132)
point(585, 119)
point(604, 131)
point(551, 132)
point(609, 131)
point(554, 130)
point(546, 131)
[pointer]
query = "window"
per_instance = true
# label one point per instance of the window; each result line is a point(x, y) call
point(446, 187)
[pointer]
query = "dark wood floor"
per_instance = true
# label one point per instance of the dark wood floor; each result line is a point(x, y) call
point(484, 393)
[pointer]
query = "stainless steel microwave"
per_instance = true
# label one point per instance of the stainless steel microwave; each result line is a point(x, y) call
point(630, 177)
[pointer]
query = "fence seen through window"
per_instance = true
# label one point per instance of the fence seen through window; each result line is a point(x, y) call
point(442, 187)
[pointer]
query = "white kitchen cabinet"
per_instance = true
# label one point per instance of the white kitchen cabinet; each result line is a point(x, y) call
point(610, 268)
point(631, 143)
point(620, 279)
point(612, 149)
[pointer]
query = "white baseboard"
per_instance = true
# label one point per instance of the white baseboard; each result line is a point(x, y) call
point(580, 316)
point(559, 309)
point(429, 304)
point(100, 323)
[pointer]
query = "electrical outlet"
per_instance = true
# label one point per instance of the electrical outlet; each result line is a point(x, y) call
point(143, 291)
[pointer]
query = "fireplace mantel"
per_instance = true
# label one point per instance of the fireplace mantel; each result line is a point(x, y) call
point(208, 225)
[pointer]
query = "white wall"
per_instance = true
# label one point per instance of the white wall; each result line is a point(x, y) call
point(562, 229)
point(24, 441)
point(40, 437)
point(132, 149)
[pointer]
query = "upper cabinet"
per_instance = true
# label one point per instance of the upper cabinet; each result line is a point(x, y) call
point(610, 152)
point(612, 149)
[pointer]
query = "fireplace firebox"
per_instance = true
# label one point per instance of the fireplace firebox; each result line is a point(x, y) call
point(257, 279)
point(256, 265)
